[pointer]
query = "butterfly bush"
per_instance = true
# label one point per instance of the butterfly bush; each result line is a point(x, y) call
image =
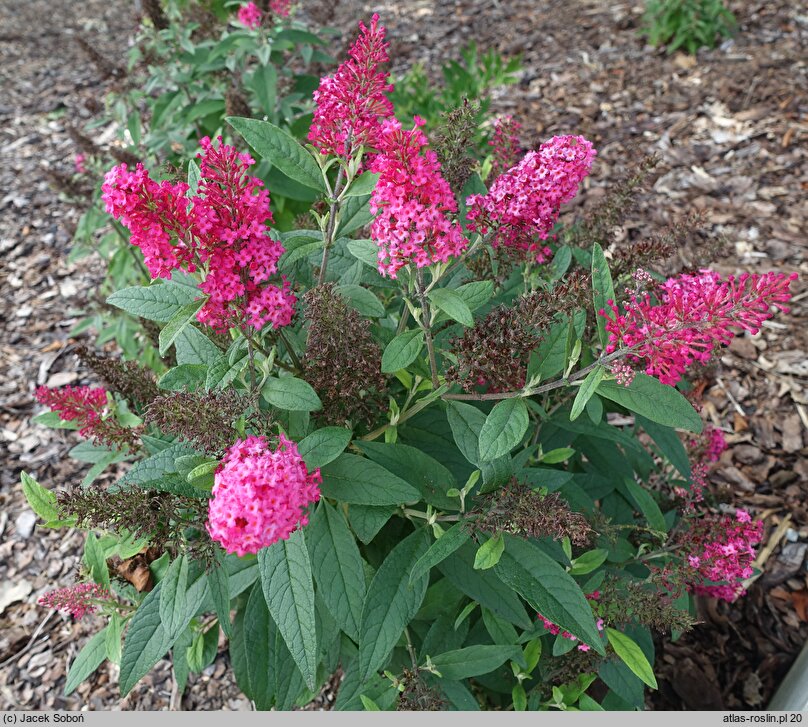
point(691, 317)
point(524, 202)
point(260, 496)
point(413, 203)
point(440, 416)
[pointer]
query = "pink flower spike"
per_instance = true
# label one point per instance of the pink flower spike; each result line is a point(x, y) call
point(260, 495)
point(249, 15)
point(692, 316)
point(78, 600)
point(524, 203)
point(78, 163)
point(413, 203)
point(281, 8)
point(351, 104)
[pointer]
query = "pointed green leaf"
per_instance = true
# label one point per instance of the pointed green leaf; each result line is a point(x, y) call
point(289, 591)
point(324, 446)
point(602, 290)
point(358, 480)
point(451, 303)
point(586, 390)
point(441, 549)
point(173, 597)
point(281, 149)
point(402, 350)
point(548, 588)
point(489, 553)
point(391, 603)
point(473, 661)
point(291, 394)
point(654, 400)
point(503, 429)
point(337, 566)
point(632, 656)
point(86, 662)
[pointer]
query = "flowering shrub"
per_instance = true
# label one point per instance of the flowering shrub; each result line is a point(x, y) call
point(428, 440)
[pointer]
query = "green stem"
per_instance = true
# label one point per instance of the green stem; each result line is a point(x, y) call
point(328, 234)
point(426, 325)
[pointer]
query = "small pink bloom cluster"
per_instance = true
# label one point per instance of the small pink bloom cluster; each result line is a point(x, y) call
point(230, 222)
point(523, 204)
point(224, 233)
point(412, 202)
point(623, 373)
point(556, 630)
point(694, 314)
point(280, 8)
point(505, 144)
point(351, 104)
point(720, 549)
point(250, 15)
point(260, 495)
point(82, 404)
point(716, 444)
point(78, 163)
point(155, 214)
point(78, 600)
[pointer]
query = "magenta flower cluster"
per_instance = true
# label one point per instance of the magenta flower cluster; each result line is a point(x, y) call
point(260, 495)
point(221, 230)
point(78, 600)
point(351, 104)
point(250, 15)
point(156, 215)
point(693, 315)
point(413, 203)
point(82, 404)
point(720, 551)
point(523, 204)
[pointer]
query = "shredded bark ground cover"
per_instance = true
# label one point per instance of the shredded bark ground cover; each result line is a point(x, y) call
point(730, 128)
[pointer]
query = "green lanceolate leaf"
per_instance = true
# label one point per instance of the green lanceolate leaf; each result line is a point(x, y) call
point(176, 324)
point(654, 400)
point(646, 505)
point(324, 446)
point(218, 582)
point(337, 566)
point(146, 639)
point(365, 250)
point(289, 591)
point(355, 215)
point(466, 422)
point(402, 351)
point(548, 588)
point(669, 444)
point(250, 650)
point(281, 149)
point(291, 394)
point(362, 299)
point(483, 586)
point(156, 302)
point(586, 390)
point(473, 661)
point(489, 553)
point(632, 656)
point(503, 429)
point(173, 597)
point(441, 549)
point(451, 303)
point(602, 290)
point(391, 603)
point(358, 480)
point(587, 562)
point(364, 184)
point(95, 561)
point(41, 500)
point(86, 662)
